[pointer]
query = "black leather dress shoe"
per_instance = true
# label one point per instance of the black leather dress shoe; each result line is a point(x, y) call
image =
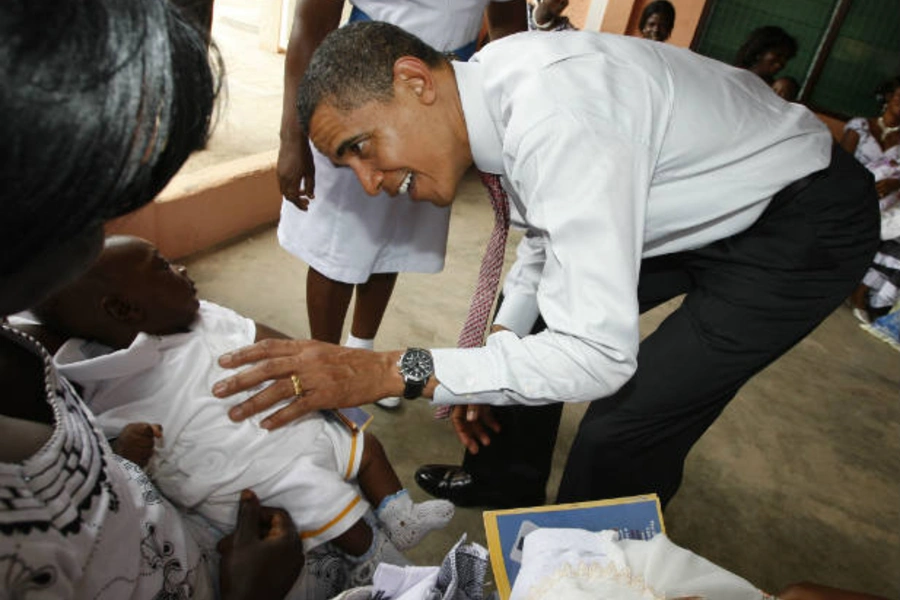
point(451, 482)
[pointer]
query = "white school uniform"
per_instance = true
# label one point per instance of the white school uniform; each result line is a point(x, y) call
point(347, 235)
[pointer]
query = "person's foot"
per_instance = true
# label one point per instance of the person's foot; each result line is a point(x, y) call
point(389, 402)
point(451, 482)
point(406, 522)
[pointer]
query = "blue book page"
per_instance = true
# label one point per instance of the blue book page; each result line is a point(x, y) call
point(355, 419)
point(637, 518)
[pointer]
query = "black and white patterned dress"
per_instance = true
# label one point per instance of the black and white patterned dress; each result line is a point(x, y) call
point(76, 521)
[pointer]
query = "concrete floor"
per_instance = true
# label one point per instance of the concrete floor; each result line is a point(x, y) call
point(799, 479)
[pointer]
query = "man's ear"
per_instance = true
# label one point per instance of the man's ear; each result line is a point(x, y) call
point(411, 74)
point(121, 309)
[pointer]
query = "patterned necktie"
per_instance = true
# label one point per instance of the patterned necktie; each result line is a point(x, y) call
point(472, 334)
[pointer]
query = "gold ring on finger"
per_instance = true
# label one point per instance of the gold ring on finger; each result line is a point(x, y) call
point(298, 389)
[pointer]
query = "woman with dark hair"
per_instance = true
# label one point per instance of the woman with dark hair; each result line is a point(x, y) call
point(875, 142)
point(657, 20)
point(102, 103)
point(766, 52)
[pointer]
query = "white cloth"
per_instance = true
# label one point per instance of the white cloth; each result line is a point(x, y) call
point(204, 459)
point(460, 577)
point(78, 522)
point(581, 565)
point(613, 149)
point(347, 235)
point(883, 164)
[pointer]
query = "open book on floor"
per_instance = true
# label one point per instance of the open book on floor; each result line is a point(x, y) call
point(635, 517)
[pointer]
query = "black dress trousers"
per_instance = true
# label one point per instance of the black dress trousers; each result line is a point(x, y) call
point(749, 298)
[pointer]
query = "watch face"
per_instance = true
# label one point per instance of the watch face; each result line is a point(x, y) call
point(416, 364)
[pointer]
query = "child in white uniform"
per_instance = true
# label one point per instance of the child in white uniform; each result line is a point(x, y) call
point(147, 372)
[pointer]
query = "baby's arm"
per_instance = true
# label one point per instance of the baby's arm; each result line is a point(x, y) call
point(136, 442)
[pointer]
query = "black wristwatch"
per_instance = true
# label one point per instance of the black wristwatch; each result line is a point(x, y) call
point(416, 367)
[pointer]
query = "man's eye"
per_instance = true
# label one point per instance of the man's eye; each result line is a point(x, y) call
point(357, 148)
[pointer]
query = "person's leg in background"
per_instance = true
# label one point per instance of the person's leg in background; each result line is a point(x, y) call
point(372, 298)
point(326, 306)
point(327, 302)
point(754, 296)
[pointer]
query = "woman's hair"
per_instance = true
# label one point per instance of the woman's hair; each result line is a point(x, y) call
point(662, 7)
point(355, 64)
point(886, 89)
point(102, 102)
point(761, 41)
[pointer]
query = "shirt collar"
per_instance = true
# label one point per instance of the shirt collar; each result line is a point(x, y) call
point(84, 361)
point(484, 138)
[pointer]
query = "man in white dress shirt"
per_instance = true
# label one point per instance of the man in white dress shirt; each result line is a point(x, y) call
point(642, 171)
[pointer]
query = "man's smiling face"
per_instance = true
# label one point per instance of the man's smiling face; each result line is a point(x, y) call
point(396, 147)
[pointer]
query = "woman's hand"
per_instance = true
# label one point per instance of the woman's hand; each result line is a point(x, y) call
point(887, 186)
point(329, 376)
point(137, 441)
point(263, 557)
point(471, 423)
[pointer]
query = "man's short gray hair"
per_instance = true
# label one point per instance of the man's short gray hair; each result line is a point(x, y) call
point(355, 65)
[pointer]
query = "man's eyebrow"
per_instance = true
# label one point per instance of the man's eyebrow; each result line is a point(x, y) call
point(345, 145)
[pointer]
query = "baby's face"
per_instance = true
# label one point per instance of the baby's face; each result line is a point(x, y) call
point(163, 290)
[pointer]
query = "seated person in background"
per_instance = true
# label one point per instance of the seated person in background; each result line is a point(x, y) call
point(147, 363)
point(546, 15)
point(875, 142)
point(786, 87)
point(766, 51)
point(657, 21)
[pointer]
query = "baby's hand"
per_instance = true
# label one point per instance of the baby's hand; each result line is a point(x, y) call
point(136, 442)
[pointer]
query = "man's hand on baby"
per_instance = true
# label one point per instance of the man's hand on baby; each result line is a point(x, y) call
point(136, 442)
point(472, 423)
point(329, 376)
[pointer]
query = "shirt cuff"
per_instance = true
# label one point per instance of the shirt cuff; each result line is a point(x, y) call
point(518, 313)
point(467, 376)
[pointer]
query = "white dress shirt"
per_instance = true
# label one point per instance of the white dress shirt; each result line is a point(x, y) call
point(612, 149)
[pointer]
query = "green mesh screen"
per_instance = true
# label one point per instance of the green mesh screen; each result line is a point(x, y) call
point(866, 52)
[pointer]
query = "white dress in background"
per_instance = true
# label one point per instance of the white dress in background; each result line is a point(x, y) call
point(346, 234)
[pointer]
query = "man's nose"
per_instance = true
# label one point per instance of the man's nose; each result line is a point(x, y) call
point(371, 179)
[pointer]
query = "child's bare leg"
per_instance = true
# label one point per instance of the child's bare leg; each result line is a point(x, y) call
point(404, 522)
point(376, 477)
point(356, 540)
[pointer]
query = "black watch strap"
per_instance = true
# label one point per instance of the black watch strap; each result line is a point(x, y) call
point(413, 389)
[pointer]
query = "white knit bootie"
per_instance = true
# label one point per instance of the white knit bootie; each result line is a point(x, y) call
point(406, 522)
